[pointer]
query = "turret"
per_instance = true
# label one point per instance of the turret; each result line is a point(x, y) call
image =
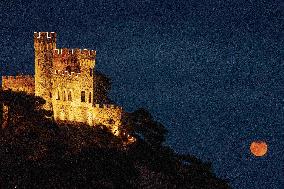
point(44, 44)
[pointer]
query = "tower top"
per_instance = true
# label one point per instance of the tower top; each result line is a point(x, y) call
point(45, 36)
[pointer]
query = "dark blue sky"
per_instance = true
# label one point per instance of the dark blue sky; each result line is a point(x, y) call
point(211, 71)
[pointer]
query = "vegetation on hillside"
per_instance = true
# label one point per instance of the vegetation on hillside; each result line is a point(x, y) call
point(36, 152)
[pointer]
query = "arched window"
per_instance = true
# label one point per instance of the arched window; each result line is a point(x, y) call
point(83, 98)
point(90, 97)
point(69, 96)
point(64, 96)
point(58, 96)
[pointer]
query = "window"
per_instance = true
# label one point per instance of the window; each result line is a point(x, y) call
point(58, 96)
point(64, 96)
point(111, 121)
point(69, 96)
point(91, 72)
point(50, 94)
point(83, 96)
point(68, 69)
point(90, 97)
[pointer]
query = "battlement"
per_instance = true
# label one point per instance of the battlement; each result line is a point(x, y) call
point(19, 83)
point(107, 106)
point(65, 53)
point(17, 77)
point(66, 73)
point(45, 36)
point(73, 58)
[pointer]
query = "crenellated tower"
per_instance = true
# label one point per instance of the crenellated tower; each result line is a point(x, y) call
point(44, 44)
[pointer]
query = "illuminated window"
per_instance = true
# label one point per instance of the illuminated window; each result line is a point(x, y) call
point(90, 97)
point(69, 96)
point(83, 98)
point(58, 96)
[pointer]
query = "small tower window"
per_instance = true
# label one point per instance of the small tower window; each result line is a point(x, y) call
point(64, 96)
point(90, 97)
point(83, 98)
point(69, 96)
point(58, 96)
point(91, 72)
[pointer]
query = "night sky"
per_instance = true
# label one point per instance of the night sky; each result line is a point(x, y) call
point(211, 72)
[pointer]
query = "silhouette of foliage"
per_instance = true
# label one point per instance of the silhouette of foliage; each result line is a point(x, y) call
point(141, 124)
point(101, 88)
point(36, 154)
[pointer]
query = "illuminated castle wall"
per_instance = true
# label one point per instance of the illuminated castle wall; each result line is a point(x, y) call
point(67, 80)
point(19, 83)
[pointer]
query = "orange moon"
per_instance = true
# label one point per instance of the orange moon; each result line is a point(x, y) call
point(258, 148)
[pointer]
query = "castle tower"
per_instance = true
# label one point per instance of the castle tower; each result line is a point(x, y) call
point(44, 43)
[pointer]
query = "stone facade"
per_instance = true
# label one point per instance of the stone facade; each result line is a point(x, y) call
point(67, 80)
point(24, 83)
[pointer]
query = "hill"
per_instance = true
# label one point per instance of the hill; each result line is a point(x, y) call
point(36, 152)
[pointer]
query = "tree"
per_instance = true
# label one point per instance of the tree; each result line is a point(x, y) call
point(142, 125)
point(21, 105)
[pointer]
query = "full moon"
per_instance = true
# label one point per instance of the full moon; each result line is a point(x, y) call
point(258, 148)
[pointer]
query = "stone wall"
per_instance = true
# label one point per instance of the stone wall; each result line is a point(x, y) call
point(67, 92)
point(109, 115)
point(24, 83)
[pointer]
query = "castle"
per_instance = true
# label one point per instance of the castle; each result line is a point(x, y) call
point(67, 81)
